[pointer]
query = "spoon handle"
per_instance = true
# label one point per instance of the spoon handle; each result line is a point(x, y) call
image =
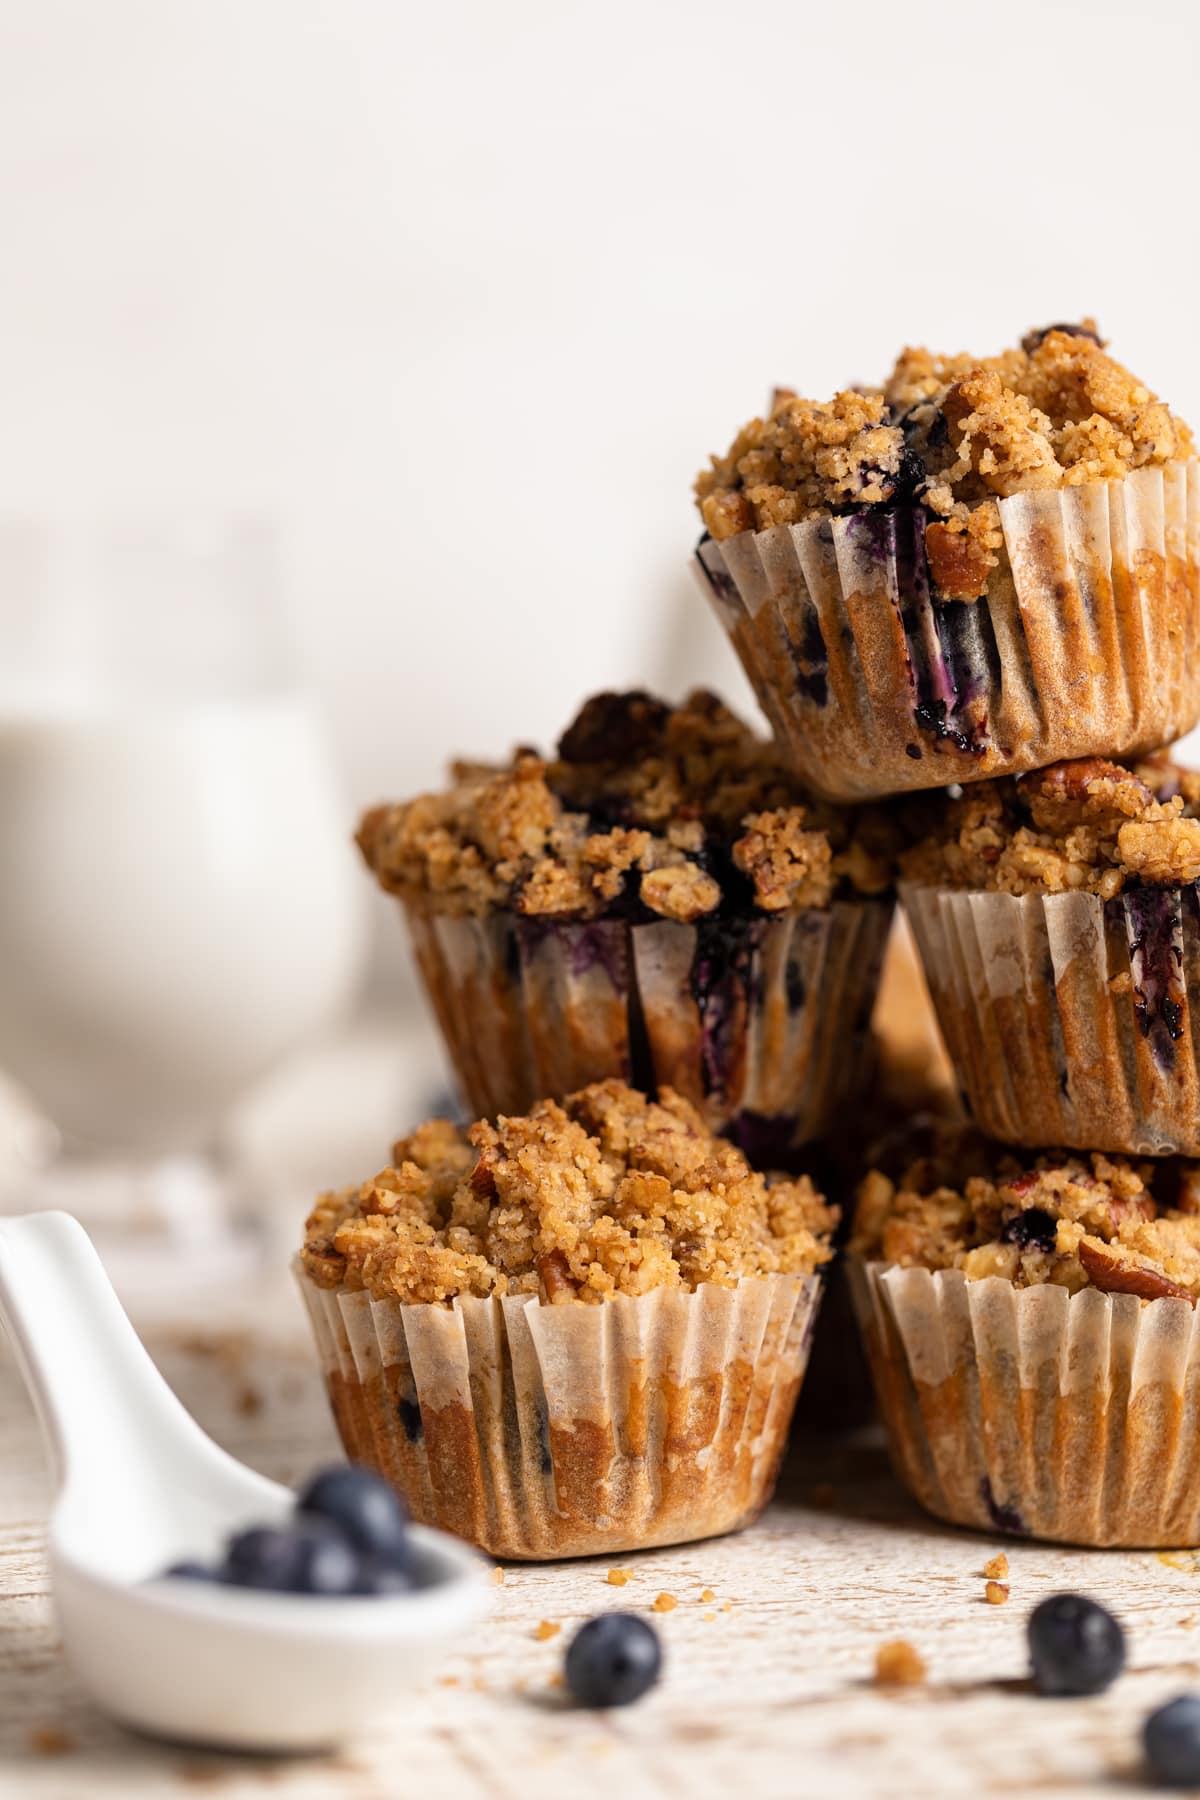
point(105, 1410)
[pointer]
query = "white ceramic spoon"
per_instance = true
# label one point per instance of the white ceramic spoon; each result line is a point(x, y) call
point(140, 1486)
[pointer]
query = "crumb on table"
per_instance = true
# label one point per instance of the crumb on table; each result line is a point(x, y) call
point(995, 1593)
point(618, 1577)
point(497, 1576)
point(51, 1740)
point(546, 1630)
point(997, 1568)
point(898, 1664)
point(708, 1594)
point(665, 1603)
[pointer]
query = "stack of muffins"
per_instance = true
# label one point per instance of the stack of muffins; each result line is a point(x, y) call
point(581, 1325)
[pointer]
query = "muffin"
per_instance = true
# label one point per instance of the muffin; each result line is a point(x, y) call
point(660, 901)
point(1032, 1334)
point(1059, 928)
point(982, 567)
point(573, 1332)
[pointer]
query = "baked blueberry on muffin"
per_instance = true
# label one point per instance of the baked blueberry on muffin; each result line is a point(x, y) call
point(574, 1331)
point(1059, 928)
point(1031, 1329)
point(981, 567)
point(659, 901)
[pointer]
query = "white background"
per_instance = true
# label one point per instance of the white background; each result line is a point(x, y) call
point(467, 291)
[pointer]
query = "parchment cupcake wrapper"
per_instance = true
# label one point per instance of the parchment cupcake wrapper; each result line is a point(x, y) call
point(575, 1430)
point(1037, 1412)
point(761, 1021)
point(1071, 1021)
point(1085, 642)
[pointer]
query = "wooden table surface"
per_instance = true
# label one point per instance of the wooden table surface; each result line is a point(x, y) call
point(768, 1686)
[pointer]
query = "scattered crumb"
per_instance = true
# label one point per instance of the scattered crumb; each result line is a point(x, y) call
point(248, 1401)
point(708, 1617)
point(665, 1603)
point(497, 1576)
point(1188, 1622)
point(447, 1680)
point(555, 1680)
point(547, 1629)
point(51, 1740)
point(898, 1664)
point(708, 1594)
point(995, 1593)
point(823, 1495)
point(727, 1606)
point(618, 1577)
point(997, 1569)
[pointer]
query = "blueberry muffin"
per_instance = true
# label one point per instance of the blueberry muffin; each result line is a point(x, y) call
point(1059, 928)
point(984, 566)
point(659, 901)
point(1031, 1329)
point(572, 1332)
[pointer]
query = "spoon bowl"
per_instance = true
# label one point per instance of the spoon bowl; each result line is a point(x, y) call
point(139, 1487)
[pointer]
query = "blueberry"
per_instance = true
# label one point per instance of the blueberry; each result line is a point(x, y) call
point(307, 1557)
point(364, 1507)
point(613, 1659)
point(1172, 1740)
point(191, 1571)
point(1075, 1644)
point(382, 1578)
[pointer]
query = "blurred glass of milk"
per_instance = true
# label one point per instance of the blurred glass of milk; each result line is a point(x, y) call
point(179, 906)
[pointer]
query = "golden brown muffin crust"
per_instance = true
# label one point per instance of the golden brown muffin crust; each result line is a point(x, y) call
point(606, 1193)
point(671, 809)
point(1073, 1220)
point(952, 433)
point(1091, 826)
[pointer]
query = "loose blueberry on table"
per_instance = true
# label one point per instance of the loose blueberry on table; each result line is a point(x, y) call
point(348, 1536)
point(613, 1660)
point(1171, 1737)
point(1075, 1645)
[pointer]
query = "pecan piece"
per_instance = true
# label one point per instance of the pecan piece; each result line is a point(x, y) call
point(554, 1273)
point(1106, 1271)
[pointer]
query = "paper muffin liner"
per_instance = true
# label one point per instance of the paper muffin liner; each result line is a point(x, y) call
point(761, 1021)
point(1038, 1412)
point(543, 1431)
point(1085, 642)
point(1071, 1021)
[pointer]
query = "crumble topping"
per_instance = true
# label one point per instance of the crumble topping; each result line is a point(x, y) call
point(951, 433)
point(647, 810)
point(1090, 826)
point(1075, 1220)
point(606, 1193)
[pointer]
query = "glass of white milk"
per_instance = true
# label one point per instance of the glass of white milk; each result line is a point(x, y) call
point(179, 906)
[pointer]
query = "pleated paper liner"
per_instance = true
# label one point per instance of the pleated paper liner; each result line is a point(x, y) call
point(1037, 1412)
point(1071, 1021)
point(573, 1430)
point(1086, 642)
point(761, 1021)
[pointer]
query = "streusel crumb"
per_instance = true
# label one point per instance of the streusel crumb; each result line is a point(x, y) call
point(1090, 827)
point(647, 811)
point(607, 1193)
point(899, 1664)
point(1070, 1219)
point(951, 433)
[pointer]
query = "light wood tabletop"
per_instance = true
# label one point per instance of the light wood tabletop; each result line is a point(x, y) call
point(770, 1646)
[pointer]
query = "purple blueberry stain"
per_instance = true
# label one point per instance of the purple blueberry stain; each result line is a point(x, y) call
point(724, 983)
point(1004, 1518)
point(765, 1139)
point(1154, 931)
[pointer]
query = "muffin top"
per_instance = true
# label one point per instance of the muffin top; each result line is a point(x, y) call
point(953, 434)
point(1090, 826)
point(1077, 1220)
point(648, 810)
point(606, 1193)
